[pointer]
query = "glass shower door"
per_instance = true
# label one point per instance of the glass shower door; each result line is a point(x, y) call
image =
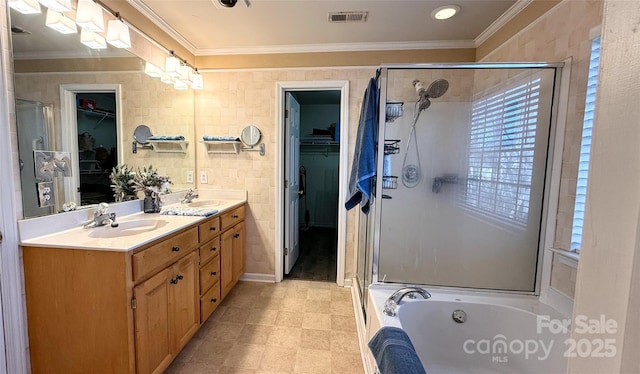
point(467, 208)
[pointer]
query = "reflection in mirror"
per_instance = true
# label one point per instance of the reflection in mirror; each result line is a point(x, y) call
point(87, 92)
point(250, 136)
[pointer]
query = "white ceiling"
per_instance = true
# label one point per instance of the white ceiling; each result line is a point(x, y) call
point(272, 26)
point(277, 26)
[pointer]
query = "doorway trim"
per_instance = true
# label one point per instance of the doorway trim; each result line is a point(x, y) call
point(69, 132)
point(281, 89)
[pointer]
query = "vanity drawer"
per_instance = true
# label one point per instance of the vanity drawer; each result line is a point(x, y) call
point(209, 250)
point(209, 274)
point(231, 218)
point(209, 229)
point(209, 302)
point(164, 253)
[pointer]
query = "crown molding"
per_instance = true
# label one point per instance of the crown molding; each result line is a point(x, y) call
point(158, 21)
point(338, 47)
point(516, 8)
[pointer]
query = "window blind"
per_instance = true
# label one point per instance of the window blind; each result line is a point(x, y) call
point(585, 147)
point(501, 149)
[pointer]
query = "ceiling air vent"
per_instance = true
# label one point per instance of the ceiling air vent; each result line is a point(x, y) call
point(342, 17)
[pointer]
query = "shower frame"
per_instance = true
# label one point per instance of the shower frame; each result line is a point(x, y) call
point(549, 206)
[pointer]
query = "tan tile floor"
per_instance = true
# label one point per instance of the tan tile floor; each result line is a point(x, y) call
point(290, 327)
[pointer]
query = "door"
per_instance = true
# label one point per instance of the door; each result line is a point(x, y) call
point(292, 185)
point(186, 300)
point(153, 331)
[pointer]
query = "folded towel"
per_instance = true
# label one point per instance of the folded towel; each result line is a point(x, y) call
point(210, 138)
point(199, 212)
point(394, 353)
point(363, 170)
point(166, 137)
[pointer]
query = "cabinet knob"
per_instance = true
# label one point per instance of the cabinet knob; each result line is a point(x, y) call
point(174, 281)
point(175, 249)
point(214, 300)
point(213, 273)
point(179, 277)
point(212, 228)
point(235, 216)
point(213, 249)
point(236, 236)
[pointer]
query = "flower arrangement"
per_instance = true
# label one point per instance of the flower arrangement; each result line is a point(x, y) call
point(150, 182)
point(122, 177)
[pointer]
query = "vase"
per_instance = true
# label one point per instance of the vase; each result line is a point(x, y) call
point(151, 203)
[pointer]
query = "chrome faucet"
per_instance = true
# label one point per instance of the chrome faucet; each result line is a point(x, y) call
point(101, 217)
point(189, 196)
point(391, 305)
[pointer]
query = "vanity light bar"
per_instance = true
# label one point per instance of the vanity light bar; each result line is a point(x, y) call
point(92, 40)
point(25, 6)
point(89, 16)
point(60, 23)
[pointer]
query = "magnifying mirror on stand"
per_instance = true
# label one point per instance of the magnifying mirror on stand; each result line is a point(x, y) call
point(250, 137)
point(141, 136)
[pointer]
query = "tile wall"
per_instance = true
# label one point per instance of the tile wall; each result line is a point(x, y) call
point(562, 33)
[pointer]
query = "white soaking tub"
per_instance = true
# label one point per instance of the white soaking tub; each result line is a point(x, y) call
point(501, 333)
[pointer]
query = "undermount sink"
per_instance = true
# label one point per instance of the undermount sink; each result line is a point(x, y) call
point(206, 203)
point(127, 228)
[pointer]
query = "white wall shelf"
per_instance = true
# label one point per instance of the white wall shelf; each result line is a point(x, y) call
point(169, 146)
point(222, 146)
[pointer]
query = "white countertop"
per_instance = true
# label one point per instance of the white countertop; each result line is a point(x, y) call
point(134, 230)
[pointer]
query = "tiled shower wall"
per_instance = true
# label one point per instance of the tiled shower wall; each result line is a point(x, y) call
point(561, 33)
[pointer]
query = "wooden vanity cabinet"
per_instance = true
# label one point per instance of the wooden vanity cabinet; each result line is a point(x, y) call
point(93, 311)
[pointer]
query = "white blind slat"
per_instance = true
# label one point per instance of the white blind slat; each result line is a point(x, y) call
point(585, 147)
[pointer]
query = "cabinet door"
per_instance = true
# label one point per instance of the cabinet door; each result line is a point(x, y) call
point(153, 327)
point(226, 261)
point(238, 252)
point(186, 299)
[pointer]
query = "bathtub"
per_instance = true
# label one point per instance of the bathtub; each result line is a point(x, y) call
point(502, 333)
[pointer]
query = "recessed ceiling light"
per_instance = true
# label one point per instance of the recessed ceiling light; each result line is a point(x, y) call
point(445, 12)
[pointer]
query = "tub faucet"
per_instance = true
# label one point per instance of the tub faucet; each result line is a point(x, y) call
point(391, 305)
point(101, 217)
point(189, 196)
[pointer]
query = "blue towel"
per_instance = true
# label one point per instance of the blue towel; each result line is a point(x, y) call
point(363, 170)
point(394, 352)
point(210, 138)
point(166, 137)
point(199, 212)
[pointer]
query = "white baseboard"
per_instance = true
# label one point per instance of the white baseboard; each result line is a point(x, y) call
point(348, 283)
point(258, 277)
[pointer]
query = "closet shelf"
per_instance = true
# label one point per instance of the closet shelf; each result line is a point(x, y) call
point(169, 146)
point(222, 146)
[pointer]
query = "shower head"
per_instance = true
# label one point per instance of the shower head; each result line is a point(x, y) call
point(437, 88)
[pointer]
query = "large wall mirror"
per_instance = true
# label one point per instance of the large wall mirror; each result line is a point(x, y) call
point(84, 105)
